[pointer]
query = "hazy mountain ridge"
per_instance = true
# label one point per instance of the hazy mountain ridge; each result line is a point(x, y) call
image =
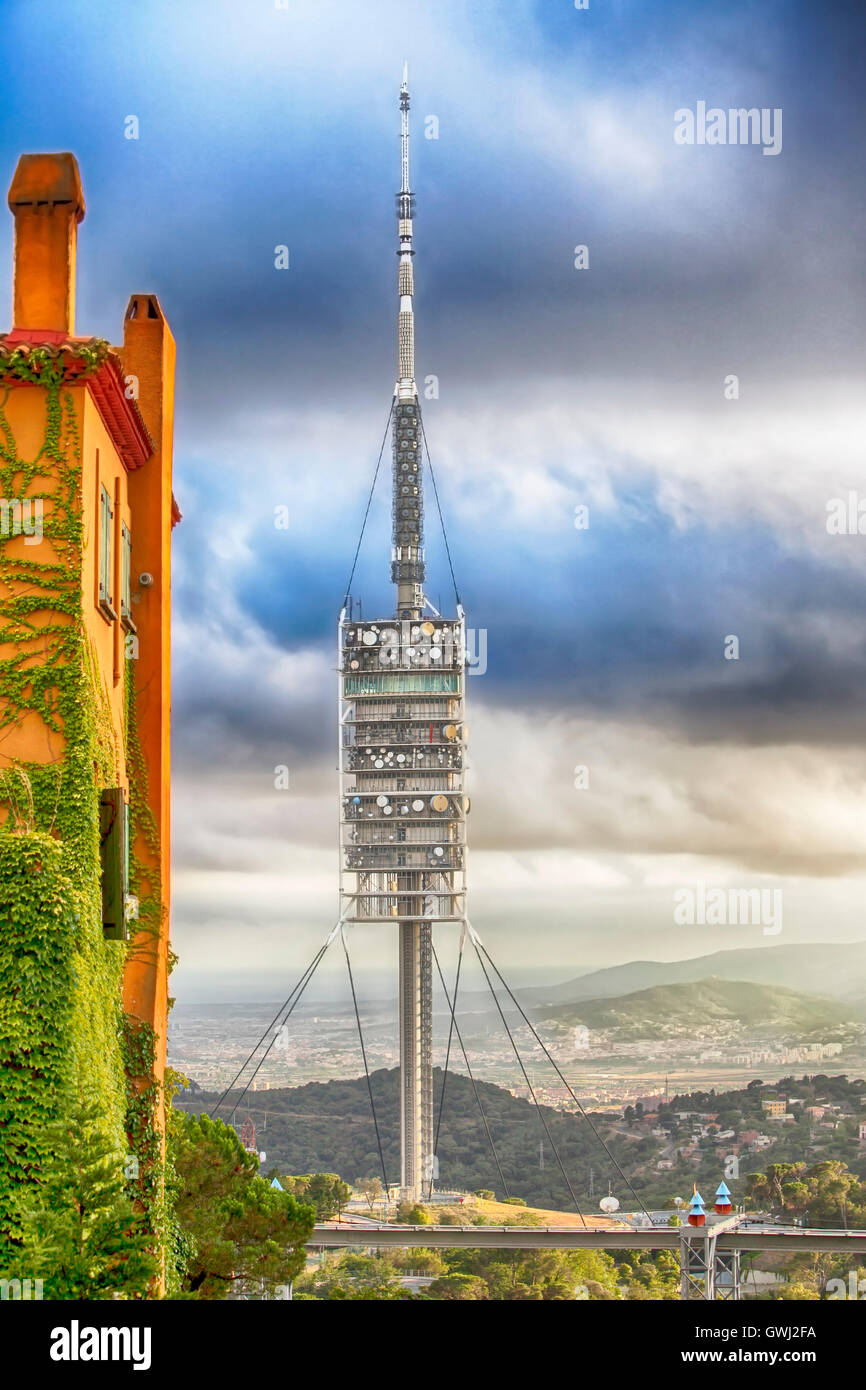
point(763, 1010)
point(838, 970)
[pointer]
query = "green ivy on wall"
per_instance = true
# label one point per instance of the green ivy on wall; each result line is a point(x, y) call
point(64, 1036)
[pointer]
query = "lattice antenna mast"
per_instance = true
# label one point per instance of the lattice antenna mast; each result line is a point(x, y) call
point(407, 555)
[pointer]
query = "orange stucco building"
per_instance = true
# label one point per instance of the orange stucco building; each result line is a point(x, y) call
point(120, 404)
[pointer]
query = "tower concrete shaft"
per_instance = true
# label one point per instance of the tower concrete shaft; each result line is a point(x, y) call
point(416, 1058)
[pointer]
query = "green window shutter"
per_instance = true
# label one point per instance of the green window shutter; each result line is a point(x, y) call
point(114, 854)
point(106, 517)
point(125, 575)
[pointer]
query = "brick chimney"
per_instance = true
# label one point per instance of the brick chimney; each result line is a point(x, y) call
point(48, 204)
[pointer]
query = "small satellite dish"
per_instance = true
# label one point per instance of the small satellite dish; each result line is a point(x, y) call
point(378, 763)
point(450, 730)
point(401, 757)
point(381, 801)
point(439, 803)
point(438, 851)
point(609, 1205)
point(369, 639)
point(435, 653)
point(387, 810)
point(417, 805)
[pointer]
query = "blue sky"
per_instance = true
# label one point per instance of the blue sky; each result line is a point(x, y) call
point(262, 126)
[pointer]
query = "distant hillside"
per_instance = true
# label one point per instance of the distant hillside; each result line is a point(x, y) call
point(836, 970)
point(667, 1009)
point(328, 1128)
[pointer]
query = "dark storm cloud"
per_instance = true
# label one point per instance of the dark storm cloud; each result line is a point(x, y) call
point(616, 633)
point(713, 254)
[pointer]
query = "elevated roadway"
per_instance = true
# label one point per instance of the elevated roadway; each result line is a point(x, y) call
point(729, 1235)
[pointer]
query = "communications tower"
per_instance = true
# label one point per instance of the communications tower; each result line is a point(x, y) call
point(402, 736)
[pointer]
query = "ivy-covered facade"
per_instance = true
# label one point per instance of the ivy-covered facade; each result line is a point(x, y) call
point(85, 509)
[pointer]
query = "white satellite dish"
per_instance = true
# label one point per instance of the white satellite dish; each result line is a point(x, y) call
point(609, 1205)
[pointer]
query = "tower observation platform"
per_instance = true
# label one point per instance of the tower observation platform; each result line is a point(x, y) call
point(403, 826)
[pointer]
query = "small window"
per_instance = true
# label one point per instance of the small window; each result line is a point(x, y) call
point(106, 553)
point(114, 856)
point(125, 578)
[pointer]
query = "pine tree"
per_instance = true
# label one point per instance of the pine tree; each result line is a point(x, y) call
point(83, 1237)
point(243, 1236)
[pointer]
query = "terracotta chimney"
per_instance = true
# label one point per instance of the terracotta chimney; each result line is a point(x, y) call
point(48, 204)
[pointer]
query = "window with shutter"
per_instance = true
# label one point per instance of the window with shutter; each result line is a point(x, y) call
point(106, 553)
point(126, 579)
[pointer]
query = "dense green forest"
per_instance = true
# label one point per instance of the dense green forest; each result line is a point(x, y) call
point(328, 1128)
point(503, 1275)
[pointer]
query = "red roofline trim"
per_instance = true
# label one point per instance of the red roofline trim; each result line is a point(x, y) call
point(120, 415)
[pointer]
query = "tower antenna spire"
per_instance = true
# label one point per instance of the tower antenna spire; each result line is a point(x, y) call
point(407, 557)
point(404, 130)
point(405, 214)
